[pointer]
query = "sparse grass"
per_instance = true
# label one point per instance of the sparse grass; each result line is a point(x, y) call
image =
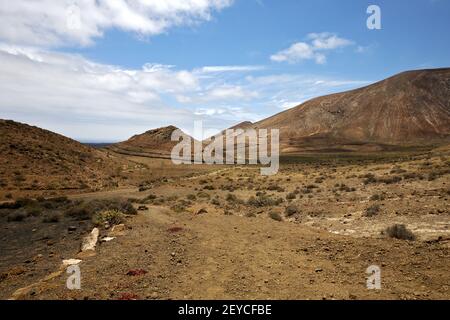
point(372, 211)
point(17, 216)
point(51, 218)
point(377, 197)
point(263, 200)
point(291, 210)
point(275, 216)
point(111, 217)
point(399, 231)
point(291, 196)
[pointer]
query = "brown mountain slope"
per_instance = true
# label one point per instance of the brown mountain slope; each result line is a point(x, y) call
point(153, 143)
point(412, 108)
point(34, 159)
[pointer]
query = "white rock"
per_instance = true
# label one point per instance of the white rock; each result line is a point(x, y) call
point(90, 241)
point(107, 239)
point(71, 262)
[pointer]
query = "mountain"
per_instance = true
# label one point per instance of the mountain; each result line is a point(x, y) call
point(155, 143)
point(36, 159)
point(243, 125)
point(409, 109)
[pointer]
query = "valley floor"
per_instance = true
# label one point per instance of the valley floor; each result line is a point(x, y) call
point(217, 236)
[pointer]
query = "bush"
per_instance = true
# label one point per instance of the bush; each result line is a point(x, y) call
point(17, 216)
point(263, 201)
point(112, 217)
point(373, 210)
point(191, 197)
point(80, 213)
point(291, 196)
point(51, 218)
point(34, 212)
point(369, 178)
point(377, 197)
point(291, 210)
point(399, 231)
point(275, 216)
point(231, 198)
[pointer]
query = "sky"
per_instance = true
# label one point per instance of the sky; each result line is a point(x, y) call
point(104, 70)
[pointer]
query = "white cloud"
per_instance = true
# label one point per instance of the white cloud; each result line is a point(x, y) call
point(314, 50)
point(69, 94)
point(52, 23)
point(219, 69)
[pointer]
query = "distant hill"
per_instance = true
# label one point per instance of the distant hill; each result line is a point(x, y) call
point(36, 159)
point(409, 109)
point(154, 143)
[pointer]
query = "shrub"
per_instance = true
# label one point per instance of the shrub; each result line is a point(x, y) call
point(231, 198)
point(80, 213)
point(191, 197)
point(275, 216)
point(263, 201)
point(371, 211)
point(377, 197)
point(390, 180)
point(203, 195)
point(17, 216)
point(275, 187)
point(399, 231)
point(112, 217)
point(291, 196)
point(215, 202)
point(34, 212)
point(291, 210)
point(369, 178)
point(51, 218)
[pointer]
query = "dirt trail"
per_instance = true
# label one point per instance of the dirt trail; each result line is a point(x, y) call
point(213, 256)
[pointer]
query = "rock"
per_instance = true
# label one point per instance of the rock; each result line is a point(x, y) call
point(142, 208)
point(136, 272)
point(318, 270)
point(72, 228)
point(107, 239)
point(90, 241)
point(71, 262)
point(117, 231)
point(154, 295)
point(201, 211)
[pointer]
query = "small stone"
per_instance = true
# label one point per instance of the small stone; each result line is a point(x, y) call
point(201, 211)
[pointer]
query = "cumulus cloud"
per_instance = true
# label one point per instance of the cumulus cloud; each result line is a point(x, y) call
point(79, 22)
point(314, 49)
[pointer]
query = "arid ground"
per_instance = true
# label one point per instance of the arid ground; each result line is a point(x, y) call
point(226, 232)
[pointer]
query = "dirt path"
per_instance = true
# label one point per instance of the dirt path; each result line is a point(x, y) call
point(213, 256)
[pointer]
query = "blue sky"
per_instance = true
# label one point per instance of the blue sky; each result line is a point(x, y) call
point(126, 69)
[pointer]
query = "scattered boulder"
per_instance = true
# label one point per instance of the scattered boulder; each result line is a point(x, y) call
point(89, 242)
